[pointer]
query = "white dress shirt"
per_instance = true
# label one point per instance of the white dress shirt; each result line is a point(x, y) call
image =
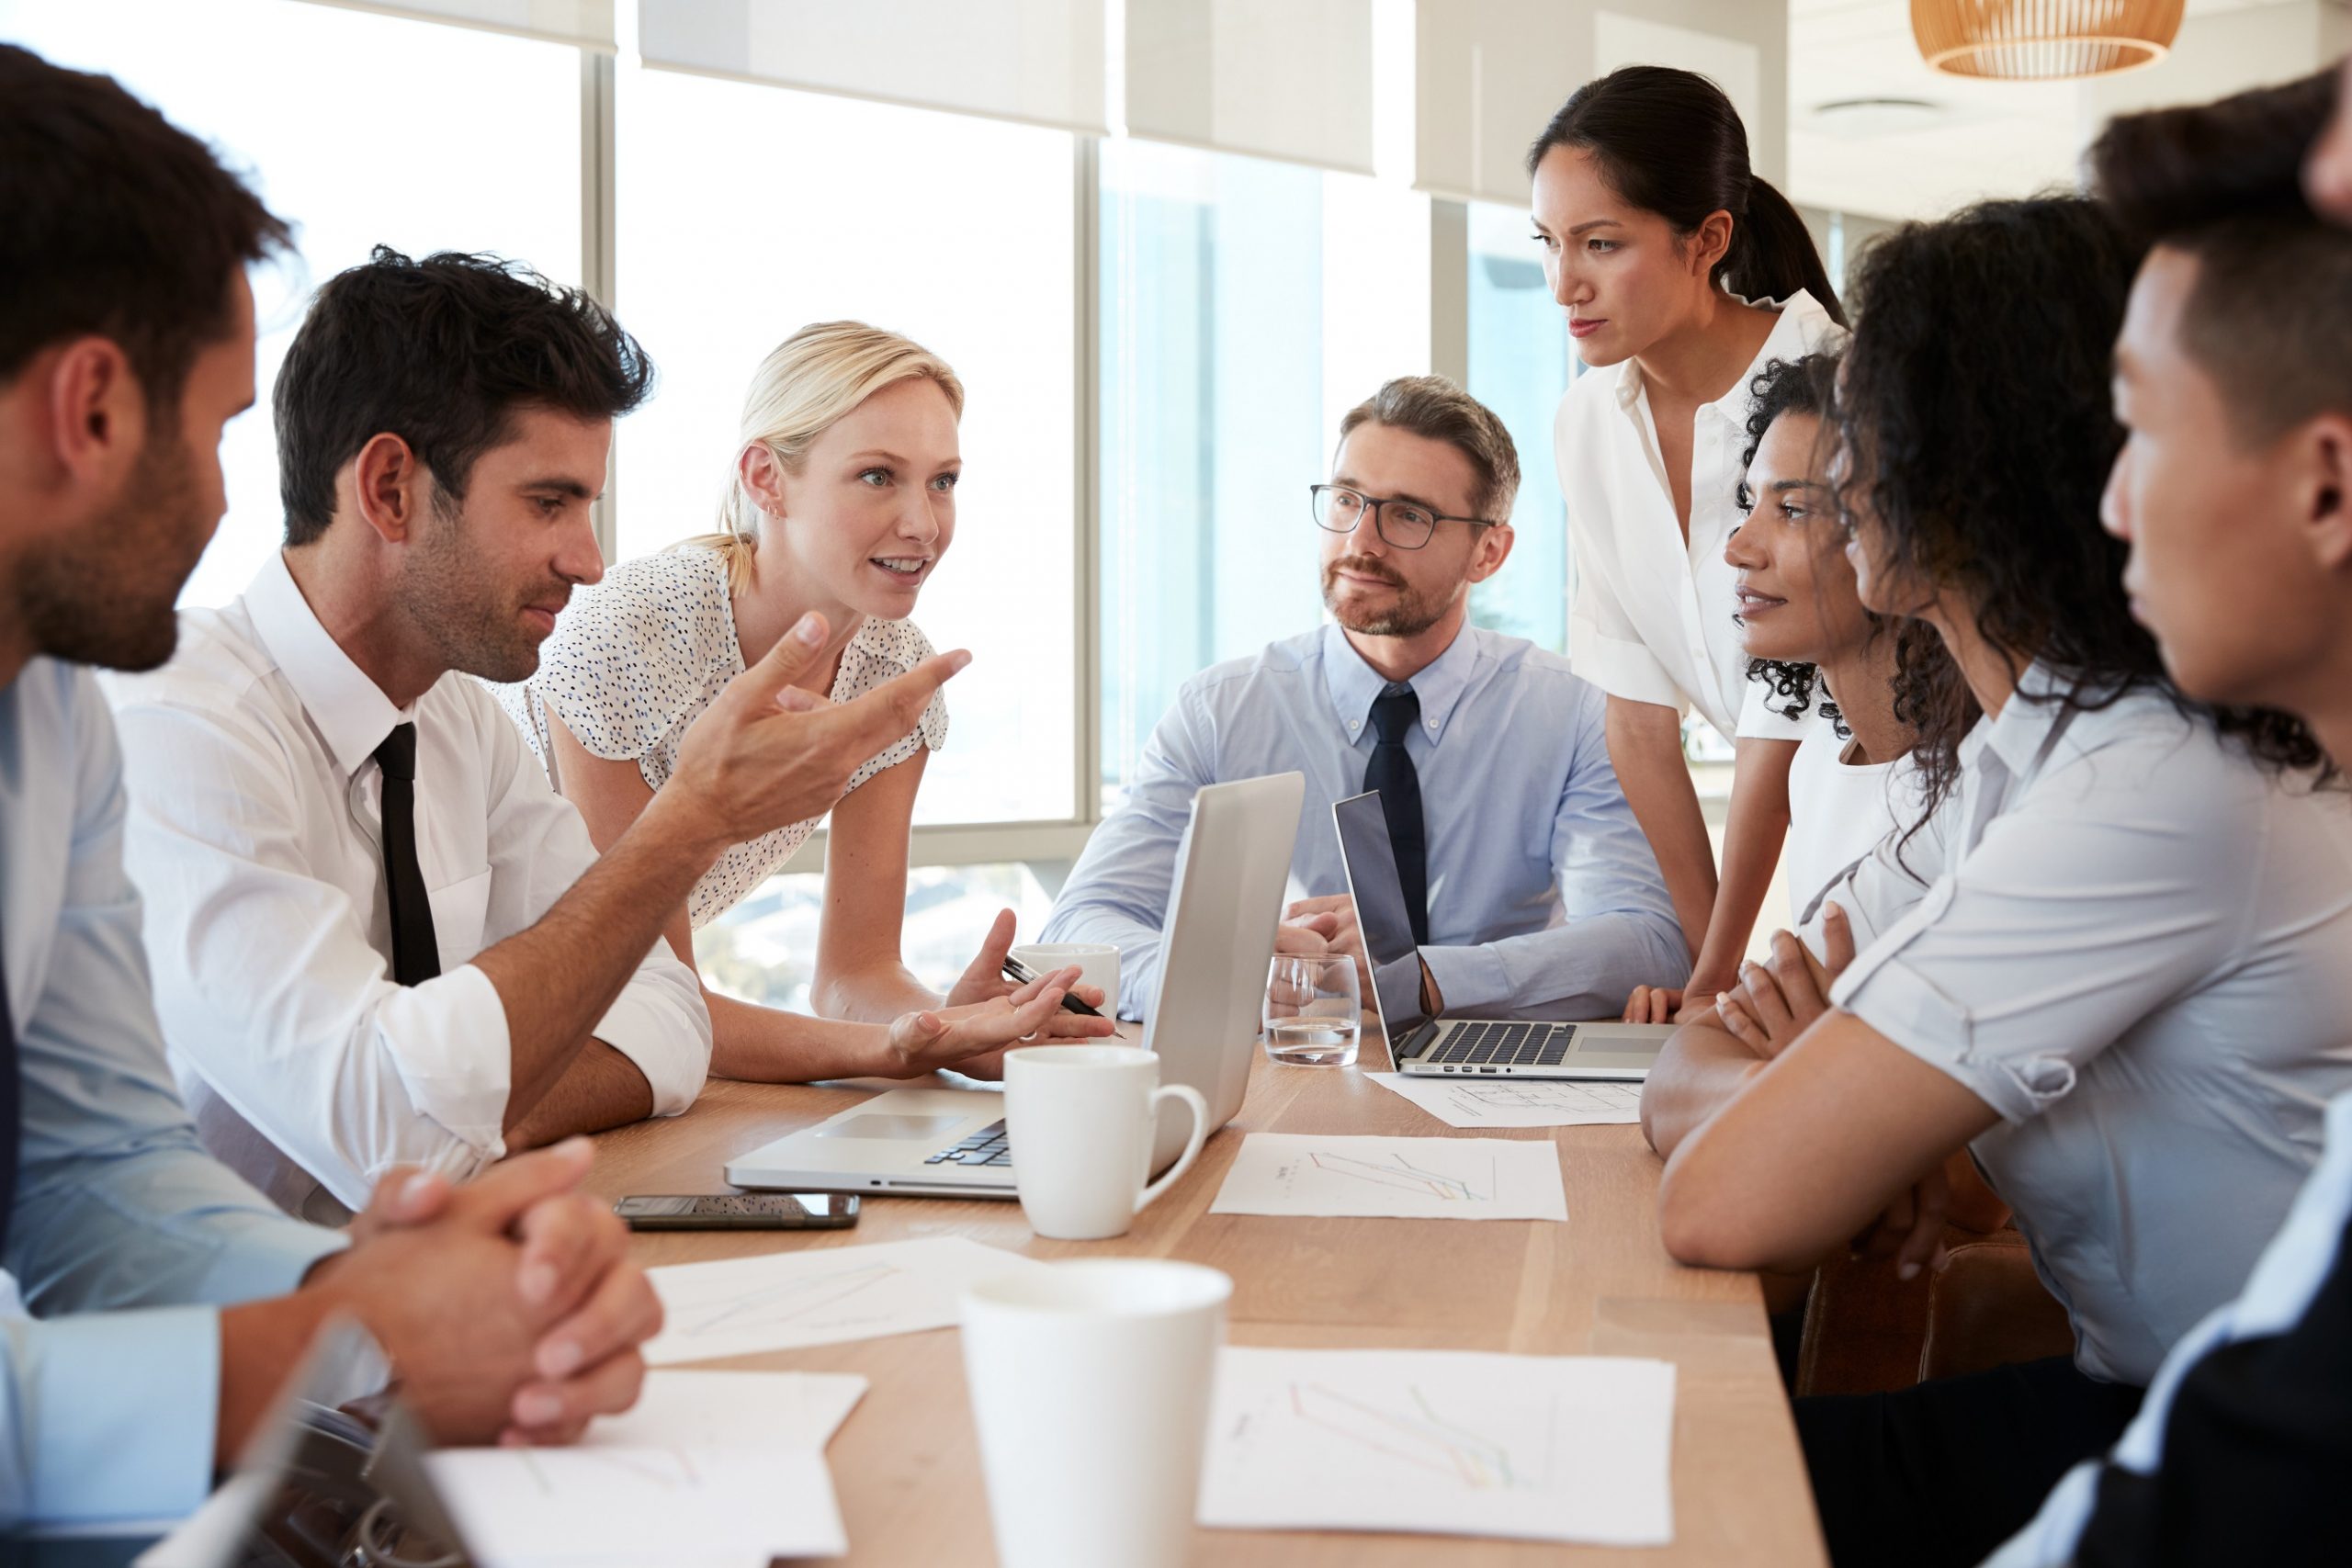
point(2134, 943)
point(254, 838)
point(1651, 620)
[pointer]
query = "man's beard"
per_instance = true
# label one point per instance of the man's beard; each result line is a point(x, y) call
point(105, 595)
point(456, 601)
point(1409, 615)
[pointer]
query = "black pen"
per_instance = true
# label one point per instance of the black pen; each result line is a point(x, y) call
point(1020, 974)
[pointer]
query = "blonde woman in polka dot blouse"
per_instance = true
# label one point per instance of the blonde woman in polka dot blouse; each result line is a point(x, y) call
point(843, 502)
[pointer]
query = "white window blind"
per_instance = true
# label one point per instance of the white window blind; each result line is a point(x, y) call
point(1292, 80)
point(587, 23)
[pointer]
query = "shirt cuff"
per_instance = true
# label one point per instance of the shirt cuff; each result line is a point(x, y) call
point(1468, 978)
point(117, 1412)
point(458, 1065)
point(1908, 1009)
point(674, 1057)
point(1622, 668)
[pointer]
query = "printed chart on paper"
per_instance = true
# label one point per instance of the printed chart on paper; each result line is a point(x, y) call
point(1517, 1103)
point(1546, 1448)
point(787, 1299)
point(1449, 1179)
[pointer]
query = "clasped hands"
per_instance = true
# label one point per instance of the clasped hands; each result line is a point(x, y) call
point(1768, 1009)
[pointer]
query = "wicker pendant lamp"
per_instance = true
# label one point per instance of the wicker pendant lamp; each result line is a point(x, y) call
point(2043, 40)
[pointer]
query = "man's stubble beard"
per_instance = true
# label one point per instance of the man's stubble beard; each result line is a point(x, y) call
point(1410, 616)
point(105, 596)
point(454, 602)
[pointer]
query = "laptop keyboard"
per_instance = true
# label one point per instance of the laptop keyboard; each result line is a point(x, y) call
point(1493, 1046)
point(986, 1146)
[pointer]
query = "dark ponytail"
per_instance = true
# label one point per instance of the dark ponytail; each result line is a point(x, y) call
point(1669, 142)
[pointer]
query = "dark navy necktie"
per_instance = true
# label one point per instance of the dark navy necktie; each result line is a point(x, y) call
point(1391, 771)
point(417, 955)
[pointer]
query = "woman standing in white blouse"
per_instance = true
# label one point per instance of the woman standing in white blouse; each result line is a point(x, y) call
point(841, 503)
point(1683, 275)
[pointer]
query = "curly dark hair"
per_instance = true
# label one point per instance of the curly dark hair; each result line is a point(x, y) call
point(1805, 386)
point(1973, 406)
point(444, 353)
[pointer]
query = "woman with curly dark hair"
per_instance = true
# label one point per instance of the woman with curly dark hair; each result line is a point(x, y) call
point(1811, 642)
point(2114, 962)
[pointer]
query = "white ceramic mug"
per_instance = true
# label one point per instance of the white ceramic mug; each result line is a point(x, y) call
point(1080, 1120)
point(1098, 964)
point(1091, 1386)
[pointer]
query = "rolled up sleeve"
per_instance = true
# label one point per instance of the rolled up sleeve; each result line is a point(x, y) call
point(2061, 929)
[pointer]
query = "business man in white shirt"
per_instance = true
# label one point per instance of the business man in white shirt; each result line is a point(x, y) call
point(1530, 888)
point(153, 1305)
point(378, 937)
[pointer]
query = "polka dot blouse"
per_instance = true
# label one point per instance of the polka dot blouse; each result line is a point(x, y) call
point(636, 659)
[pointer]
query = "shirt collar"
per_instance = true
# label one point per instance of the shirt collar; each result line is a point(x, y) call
point(1353, 684)
point(2021, 732)
point(1801, 323)
point(349, 711)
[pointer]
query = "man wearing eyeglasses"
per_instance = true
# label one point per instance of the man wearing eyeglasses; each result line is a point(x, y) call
point(1530, 888)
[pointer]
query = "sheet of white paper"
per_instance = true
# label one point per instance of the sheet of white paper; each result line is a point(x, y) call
point(783, 1300)
point(732, 1410)
point(1443, 1178)
point(518, 1507)
point(1540, 1448)
point(1517, 1103)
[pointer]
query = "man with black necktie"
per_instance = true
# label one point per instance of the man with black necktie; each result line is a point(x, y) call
point(379, 936)
point(1530, 888)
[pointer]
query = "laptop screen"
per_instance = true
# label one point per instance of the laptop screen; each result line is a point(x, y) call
point(1379, 893)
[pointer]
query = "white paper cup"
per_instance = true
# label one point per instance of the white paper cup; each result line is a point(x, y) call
point(1090, 1384)
point(1098, 964)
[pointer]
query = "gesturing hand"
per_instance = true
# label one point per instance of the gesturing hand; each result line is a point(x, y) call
point(1773, 1004)
point(766, 753)
point(983, 980)
point(972, 1039)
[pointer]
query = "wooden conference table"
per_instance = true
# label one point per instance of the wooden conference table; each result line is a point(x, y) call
point(906, 1466)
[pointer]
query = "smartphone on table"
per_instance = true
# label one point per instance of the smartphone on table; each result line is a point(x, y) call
point(740, 1212)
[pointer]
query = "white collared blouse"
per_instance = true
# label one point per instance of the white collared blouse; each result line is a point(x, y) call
point(1651, 616)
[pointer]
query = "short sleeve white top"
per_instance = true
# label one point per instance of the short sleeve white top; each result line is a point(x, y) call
point(1651, 620)
point(1838, 811)
point(2134, 943)
point(636, 659)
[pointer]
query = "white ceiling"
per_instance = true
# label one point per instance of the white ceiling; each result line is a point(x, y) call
point(1980, 137)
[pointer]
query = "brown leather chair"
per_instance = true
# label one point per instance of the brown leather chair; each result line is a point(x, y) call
point(1982, 1306)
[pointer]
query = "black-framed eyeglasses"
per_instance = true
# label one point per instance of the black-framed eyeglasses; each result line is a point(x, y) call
point(1406, 524)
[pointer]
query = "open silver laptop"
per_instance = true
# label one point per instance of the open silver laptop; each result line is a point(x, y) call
point(1230, 872)
point(1438, 1046)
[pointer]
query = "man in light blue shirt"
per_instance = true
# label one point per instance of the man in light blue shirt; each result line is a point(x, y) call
point(1535, 892)
point(152, 1305)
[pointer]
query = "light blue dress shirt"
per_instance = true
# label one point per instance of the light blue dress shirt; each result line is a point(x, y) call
point(1544, 900)
point(125, 1233)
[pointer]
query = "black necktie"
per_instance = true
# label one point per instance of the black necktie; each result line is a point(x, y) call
point(10, 1110)
point(417, 956)
point(1391, 771)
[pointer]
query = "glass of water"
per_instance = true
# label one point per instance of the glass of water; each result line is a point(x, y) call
point(1313, 1010)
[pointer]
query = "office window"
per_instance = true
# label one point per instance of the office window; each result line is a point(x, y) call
point(745, 212)
point(491, 164)
point(765, 949)
point(1245, 306)
point(1519, 360)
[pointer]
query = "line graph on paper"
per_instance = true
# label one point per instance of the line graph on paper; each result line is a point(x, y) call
point(1444, 1178)
point(1399, 1173)
point(1483, 1102)
point(1410, 1431)
point(784, 1300)
point(1448, 1441)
